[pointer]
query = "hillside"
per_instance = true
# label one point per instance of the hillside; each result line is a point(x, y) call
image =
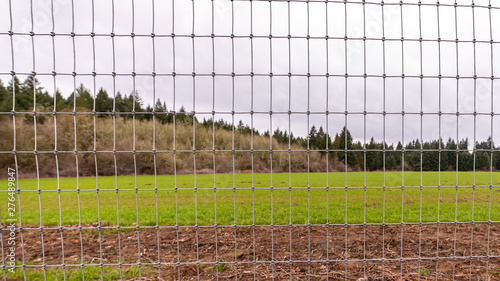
point(212, 140)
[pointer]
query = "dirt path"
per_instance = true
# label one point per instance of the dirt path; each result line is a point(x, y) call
point(266, 245)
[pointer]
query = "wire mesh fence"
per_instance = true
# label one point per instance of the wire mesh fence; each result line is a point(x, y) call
point(250, 140)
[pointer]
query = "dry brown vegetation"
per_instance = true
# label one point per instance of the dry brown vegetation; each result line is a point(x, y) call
point(118, 134)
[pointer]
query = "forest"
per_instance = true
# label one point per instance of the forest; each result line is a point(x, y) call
point(215, 140)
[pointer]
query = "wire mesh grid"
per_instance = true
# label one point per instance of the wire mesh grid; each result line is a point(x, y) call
point(343, 61)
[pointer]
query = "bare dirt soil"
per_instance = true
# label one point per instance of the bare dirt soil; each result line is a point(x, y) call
point(282, 244)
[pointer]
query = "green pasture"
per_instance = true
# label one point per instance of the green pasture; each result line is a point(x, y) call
point(75, 273)
point(262, 205)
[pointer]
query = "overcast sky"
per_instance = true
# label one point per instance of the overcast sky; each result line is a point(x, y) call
point(316, 56)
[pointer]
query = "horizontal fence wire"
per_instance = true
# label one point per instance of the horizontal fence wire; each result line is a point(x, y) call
point(176, 236)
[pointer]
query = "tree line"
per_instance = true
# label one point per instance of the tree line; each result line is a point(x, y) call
point(432, 155)
point(417, 155)
point(29, 89)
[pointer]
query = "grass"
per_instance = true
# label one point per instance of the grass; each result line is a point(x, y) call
point(280, 206)
point(220, 267)
point(424, 272)
point(76, 273)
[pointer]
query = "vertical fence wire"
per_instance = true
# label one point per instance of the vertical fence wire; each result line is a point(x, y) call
point(474, 151)
point(438, 27)
point(115, 166)
point(402, 140)
point(275, 222)
point(491, 142)
point(457, 152)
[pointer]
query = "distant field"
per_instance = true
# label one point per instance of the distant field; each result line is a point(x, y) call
point(278, 207)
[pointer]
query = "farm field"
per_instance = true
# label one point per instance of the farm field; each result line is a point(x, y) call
point(179, 249)
point(197, 253)
point(243, 206)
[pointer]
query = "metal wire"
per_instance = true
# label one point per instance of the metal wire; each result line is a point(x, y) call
point(280, 12)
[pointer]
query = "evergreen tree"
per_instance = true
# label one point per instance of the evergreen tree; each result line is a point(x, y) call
point(162, 109)
point(398, 155)
point(102, 102)
point(346, 142)
point(119, 102)
point(322, 141)
point(444, 156)
point(390, 159)
point(23, 102)
point(83, 98)
point(148, 117)
point(371, 161)
point(5, 99)
point(335, 144)
point(451, 155)
point(128, 104)
point(465, 159)
point(312, 137)
point(61, 102)
point(31, 89)
point(430, 156)
point(482, 157)
point(181, 116)
point(412, 156)
point(293, 139)
point(280, 136)
point(427, 159)
point(496, 160)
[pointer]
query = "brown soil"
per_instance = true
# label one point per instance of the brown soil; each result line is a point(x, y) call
point(305, 244)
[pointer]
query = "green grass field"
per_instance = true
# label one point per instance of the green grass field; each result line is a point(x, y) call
point(280, 206)
point(72, 273)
